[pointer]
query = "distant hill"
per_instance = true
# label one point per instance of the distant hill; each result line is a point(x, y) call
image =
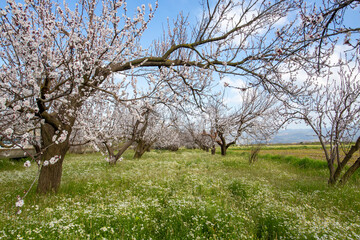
point(294, 136)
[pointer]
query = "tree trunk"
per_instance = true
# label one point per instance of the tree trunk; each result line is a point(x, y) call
point(113, 158)
point(139, 150)
point(332, 180)
point(213, 150)
point(50, 175)
point(142, 147)
point(350, 172)
point(223, 149)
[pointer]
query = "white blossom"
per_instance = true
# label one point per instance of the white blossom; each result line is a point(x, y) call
point(9, 132)
point(27, 163)
point(54, 159)
point(19, 203)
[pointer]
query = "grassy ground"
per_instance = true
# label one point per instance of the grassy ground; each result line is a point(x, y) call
point(182, 195)
point(313, 151)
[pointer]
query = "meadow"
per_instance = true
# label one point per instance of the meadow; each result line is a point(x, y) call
point(188, 194)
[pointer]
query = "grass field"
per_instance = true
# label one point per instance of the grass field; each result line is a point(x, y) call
point(187, 194)
point(313, 151)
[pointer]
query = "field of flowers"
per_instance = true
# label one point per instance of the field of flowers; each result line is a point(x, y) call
point(187, 194)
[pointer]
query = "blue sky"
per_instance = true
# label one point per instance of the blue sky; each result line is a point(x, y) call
point(167, 9)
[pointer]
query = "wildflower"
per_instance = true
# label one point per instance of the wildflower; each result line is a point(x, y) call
point(27, 163)
point(46, 162)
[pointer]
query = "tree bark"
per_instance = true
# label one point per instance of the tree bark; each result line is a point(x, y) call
point(332, 180)
point(350, 172)
point(141, 148)
point(50, 175)
point(213, 150)
point(223, 149)
point(347, 158)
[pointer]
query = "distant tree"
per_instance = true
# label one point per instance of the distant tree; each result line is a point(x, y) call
point(257, 117)
point(155, 129)
point(111, 127)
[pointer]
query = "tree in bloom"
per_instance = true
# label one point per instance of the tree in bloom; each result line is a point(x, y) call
point(155, 129)
point(332, 110)
point(54, 57)
point(330, 105)
point(109, 126)
point(255, 117)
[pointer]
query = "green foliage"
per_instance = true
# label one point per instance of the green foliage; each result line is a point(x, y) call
point(11, 164)
point(188, 194)
point(238, 189)
point(305, 163)
point(281, 147)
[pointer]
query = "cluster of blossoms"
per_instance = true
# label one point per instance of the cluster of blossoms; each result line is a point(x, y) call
point(8, 132)
point(19, 204)
point(61, 138)
point(27, 164)
point(52, 160)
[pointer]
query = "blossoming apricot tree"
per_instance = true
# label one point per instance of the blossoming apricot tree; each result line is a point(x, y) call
point(54, 57)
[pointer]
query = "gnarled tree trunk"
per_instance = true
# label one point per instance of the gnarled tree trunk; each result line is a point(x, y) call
point(50, 175)
point(142, 147)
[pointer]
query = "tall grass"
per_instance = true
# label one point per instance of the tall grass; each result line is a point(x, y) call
point(181, 195)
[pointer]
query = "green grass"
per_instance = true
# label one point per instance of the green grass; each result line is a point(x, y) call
point(281, 147)
point(187, 194)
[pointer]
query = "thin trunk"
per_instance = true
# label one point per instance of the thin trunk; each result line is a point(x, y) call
point(331, 168)
point(50, 175)
point(213, 150)
point(350, 172)
point(347, 158)
point(222, 143)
